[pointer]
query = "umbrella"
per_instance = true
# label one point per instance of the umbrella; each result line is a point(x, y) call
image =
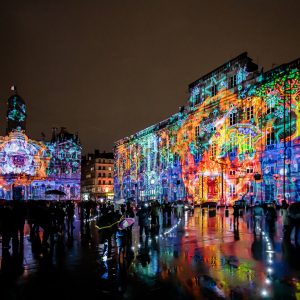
point(126, 223)
point(120, 201)
point(294, 210)
point(108, 220)
point(55, 192)
point(180, 202)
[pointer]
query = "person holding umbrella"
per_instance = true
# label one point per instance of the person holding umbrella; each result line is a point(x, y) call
point(107, 225)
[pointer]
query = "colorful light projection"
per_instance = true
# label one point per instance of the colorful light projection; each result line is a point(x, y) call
point(16, 110)
point(18, 154)
point(31, 167)
point(211, 151)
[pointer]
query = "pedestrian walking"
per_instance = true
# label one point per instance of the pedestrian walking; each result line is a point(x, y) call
point(121, 238)
point(45, 221)
point(155, 208)
point(258, 212)
point(123, 209)
point(144, 221)
point(60, 215)
point(70, 216)
point(179, 210)
point(284, 216)
point(294, 216)
point(271, 217)
point(6, 217)
point(236, 214)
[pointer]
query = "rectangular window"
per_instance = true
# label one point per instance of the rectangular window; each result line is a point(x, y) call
point(99, 189)
point(249, 170)
point(269, 194)
point(248, 142)
point(249, 112)
point(232, 81)
point(271, 138)
point(270, 109)
point(213, 90)
point(109, 168)
point(109, 175)
point(231, 190)
point(164, 143)
point(197, 98)
point(197, 155)
point(232, 119)
point(109, 182)
point(142, 193)
point(99, 182)
point(197, 131)
point(103, 168)
point(232, 172)
point(213, 152)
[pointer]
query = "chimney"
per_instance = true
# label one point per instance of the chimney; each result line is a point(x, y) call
point(54, 133)
point(104, 152)
point(42, 137)
point(97, 153)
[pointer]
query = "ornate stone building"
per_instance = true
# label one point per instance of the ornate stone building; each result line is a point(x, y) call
point(29, 168)
point(237, 123)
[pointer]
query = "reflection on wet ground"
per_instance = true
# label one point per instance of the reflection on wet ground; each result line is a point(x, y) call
point(196, 257)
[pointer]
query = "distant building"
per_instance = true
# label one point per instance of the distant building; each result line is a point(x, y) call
point(237, 137)
point(29, 168)
point(97, 176)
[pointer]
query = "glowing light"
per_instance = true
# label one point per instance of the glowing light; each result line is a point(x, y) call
point(201, 148)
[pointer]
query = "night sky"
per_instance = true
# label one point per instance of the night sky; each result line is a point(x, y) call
point(107, 69)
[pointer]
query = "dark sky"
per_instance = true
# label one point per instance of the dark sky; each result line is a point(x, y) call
point(107, 69)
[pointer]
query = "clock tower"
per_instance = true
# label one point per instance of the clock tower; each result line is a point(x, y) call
point(16, 116)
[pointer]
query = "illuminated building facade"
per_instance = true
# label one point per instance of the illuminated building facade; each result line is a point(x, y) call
point(97, 176)
point(29, 168)
point(239, 122)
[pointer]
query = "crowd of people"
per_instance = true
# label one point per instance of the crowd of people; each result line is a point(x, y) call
point(147, 214)
point(50, 216)
point(269, 210)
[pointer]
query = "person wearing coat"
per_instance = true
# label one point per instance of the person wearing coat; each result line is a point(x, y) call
point(155, 208)
point(258, 212)
point(271, 217)
point(284, 216)
point(179, 210)
point(236, 214)
point(144, 221)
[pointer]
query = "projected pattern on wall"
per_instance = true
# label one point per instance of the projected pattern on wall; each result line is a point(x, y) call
point(29, 168)
point(235, 127)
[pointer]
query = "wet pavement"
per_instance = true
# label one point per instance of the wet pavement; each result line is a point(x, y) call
point(196, 257)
